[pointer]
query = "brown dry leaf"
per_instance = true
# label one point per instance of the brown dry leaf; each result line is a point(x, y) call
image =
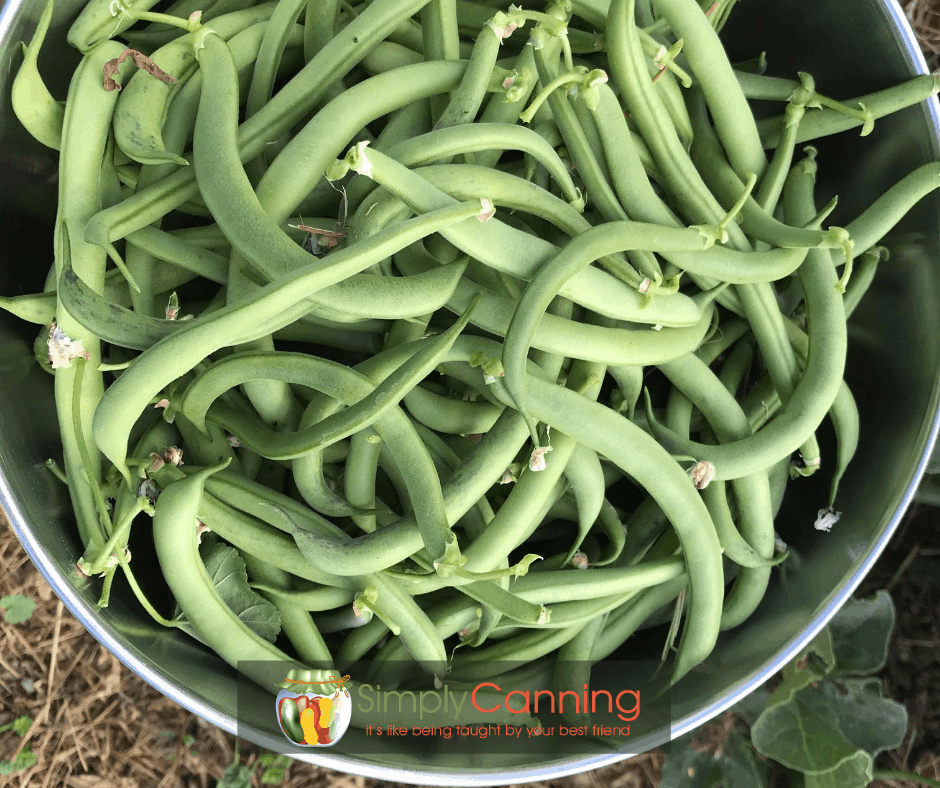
point(142, 62)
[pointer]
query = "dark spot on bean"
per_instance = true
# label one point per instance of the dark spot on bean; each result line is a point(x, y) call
point(355, 40)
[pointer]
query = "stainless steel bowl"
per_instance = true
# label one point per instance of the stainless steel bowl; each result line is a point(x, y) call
point(850, 47)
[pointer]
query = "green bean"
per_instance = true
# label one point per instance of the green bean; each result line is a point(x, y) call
point(484, 663)
point(141, 108)
point(36, 308)
point(629, 378)
point(470, 138)
point(716, 169)
point(359, 477)
point(573, 667)
point(502, 247)
point(828, 121)
point(33, 105)
point(96, 23)
point(577, 254)
point(284, 109)
point(465, 101)
point(885, 212)
point(569, 585)
point(813, 395)
point(250, 534)
point(729, 422)
point(280, 27)
point(448, 415)
point(177, 128)
point(449, 618)
point(164, 362)
point(760, 87)
point(641, 457)
point(320, 23)
point(584, 474)
point(729, 109)
point(78, 394)
point(625, 622)
point(615, 531)
point(845, 420)
point(505, 109)
point(523, 510)
point(361, 414)
point(628, 67)
point(174, 533)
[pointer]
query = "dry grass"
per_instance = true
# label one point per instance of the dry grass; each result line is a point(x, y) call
point(925, 19)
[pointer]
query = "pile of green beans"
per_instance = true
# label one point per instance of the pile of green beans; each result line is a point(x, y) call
point(465, 324)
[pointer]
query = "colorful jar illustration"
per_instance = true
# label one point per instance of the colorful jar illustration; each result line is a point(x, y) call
point(313, 720)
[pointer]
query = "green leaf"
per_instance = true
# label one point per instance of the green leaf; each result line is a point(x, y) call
point(227, 572)
point(17, 608)
point(235, 776)
point(25, 760)
point(189, 740)
point(823, 647)
point(21, 725)
point(861, 631)
point(273, 775)
point(821, 727)
point(868, 720)
point(735, 767)
point(801, 734)
point(856, 772)
point(794, 679)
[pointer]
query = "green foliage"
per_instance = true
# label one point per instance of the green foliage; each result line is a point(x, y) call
point(25, 760)
point(227, 570)
point(827, 718)
point(235, 776)
point(19, 726)
point(17, 608)
point(734, 764)
point(275, 768)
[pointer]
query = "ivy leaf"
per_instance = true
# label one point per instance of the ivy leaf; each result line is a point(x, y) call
point(17, 608)
point(856, 772)
point(734, 765)
point(227, 572)
point(861, 631)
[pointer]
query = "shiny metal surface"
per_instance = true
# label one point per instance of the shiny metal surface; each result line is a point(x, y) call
point(850, 47)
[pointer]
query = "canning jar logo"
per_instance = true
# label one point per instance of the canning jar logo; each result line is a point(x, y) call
point(311, 719)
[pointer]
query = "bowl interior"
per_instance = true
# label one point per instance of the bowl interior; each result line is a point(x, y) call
point(850, 47)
